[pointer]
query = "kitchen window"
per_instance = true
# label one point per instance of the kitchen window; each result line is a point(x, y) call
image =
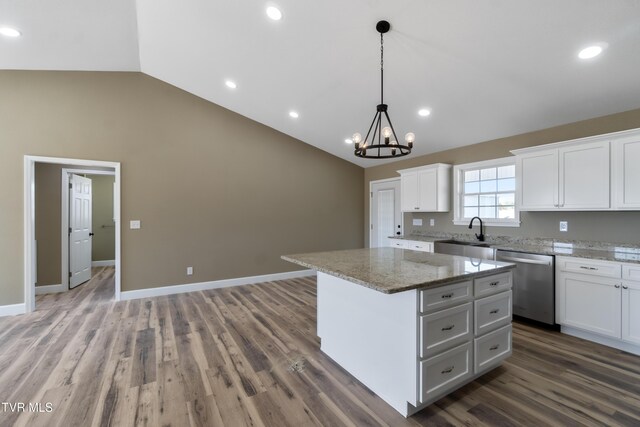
point(488, 190)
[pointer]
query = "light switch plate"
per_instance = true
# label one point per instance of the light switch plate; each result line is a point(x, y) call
point(189, 271)
point(564, 226)
point(417, 221)
point(135, 224)
point(432, 222)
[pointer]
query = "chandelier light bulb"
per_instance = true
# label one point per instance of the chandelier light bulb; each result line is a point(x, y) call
point(357, 138)
point(386, 132)
point(410, 137)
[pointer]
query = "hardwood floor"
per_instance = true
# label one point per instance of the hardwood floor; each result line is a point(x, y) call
point(249, 356)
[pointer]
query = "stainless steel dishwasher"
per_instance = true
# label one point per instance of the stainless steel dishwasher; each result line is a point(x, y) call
point(533, 285)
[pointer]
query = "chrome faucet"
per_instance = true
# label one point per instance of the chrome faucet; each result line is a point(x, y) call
point(481, 235)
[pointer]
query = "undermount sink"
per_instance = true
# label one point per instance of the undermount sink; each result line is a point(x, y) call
point(470, 249)
point(460, 242)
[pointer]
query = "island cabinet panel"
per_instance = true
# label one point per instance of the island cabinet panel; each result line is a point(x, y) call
point(492, 284)
point(492, 312)
point(445, 296)
point(445, 328)
point(444, 372)
point(492, 348)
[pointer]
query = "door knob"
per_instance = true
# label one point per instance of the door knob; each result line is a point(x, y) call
point(397, 233)
point(90, 234)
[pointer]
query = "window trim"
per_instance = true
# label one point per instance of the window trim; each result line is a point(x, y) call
point(459, 170)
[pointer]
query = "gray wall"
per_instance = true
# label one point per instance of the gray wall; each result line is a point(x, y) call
point(620, 227)
point(213, 189)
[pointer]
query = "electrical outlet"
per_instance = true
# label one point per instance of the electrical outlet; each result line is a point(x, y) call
point(432, 222)
point(135, 224)
point(189, 271)
point(417, 221)
point(564, 226)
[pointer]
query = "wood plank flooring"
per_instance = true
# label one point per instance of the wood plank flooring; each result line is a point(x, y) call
point(249, 356)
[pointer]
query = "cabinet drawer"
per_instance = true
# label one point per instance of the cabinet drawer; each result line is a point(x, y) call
point(595, 268)
point(445, 328)
point(420, 246)
point(631, 272)
point(442, 373)
point(445, 296)
point(491, 349)
point(398, 243)
point(492, 284)
point(492, 312)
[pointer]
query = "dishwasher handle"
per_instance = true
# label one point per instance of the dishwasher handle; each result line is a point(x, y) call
point(522, 260)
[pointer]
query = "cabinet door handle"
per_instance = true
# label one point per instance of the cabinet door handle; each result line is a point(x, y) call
point(445, 296)
point(447, 370)
point(416, 208)
point(494, 311)
point(625, 287)
point(494, 283)
point(448, 328)
point(616, 286)
point(584, 267)
point(494, 347)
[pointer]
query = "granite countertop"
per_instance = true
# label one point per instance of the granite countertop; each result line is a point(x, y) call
point(392, 270)
point(592, 250)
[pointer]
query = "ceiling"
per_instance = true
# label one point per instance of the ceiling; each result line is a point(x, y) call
point(486, 68)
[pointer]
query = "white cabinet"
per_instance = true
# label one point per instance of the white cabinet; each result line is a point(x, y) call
point(600, 297)
point(571, 177)
point(426, 188)
point(631, 303)
point(589, 302)
point(631, 312)
point(416, 245)
point(626, 161)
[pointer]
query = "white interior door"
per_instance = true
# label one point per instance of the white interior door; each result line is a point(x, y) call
point(79, 230)
point(385, 213)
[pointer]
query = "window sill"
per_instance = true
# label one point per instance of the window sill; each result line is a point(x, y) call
point(488, 222)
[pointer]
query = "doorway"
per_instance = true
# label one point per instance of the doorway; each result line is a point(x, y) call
point(30, 245)
point(384, 212)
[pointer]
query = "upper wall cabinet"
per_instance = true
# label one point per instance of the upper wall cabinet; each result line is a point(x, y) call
point(573, 175)
point(626, 172)
point(426, 188)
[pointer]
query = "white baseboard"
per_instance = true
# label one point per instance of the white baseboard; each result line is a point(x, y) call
point(12, 309)
point(216, 284)
point(609, 342)
point(105, 263)
point(50, 289)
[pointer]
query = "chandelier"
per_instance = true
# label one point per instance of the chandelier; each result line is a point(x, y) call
point(384, 142)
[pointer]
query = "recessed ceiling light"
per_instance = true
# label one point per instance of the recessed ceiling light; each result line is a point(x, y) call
point(424, 112)
point(294, 114)
point(230, 84)
point(592, 51)
point(274, 13)
point(348, 141)
point(9, 32)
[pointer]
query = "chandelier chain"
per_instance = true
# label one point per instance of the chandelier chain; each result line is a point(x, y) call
point(381, 68)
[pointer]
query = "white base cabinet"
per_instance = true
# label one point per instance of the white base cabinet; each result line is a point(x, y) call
point(600, 298)
point(414, 245)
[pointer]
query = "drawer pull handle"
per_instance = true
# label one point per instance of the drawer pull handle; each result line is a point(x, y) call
point(449, 369)
point(447, 295)
point(448, 328)
point(625, 287)
point(493, 283)
point(584, 267)
point(494, 311)
point(494, 347)
point(617, 286)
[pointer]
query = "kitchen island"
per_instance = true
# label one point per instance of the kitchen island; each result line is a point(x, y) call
point(412, 326)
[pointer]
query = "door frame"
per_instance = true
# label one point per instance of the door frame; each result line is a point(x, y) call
point(64, 224)
point(381, 181)
point(29, 220)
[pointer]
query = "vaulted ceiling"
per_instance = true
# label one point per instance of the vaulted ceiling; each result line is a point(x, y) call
point(485, 68)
